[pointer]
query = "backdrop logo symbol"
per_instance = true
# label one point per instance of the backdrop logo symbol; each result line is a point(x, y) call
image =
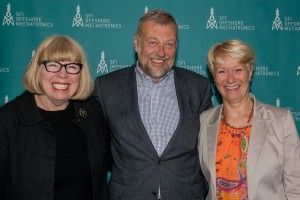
point(277, 24)
point(298, 71)
point(146, 9)
point(102, 66)
point(278, 102)
point(211, 22)
point(77, 21)
point(32, 54)
point(6, 99)
point(8, 18)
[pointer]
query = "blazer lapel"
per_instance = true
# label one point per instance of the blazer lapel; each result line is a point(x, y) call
point(212, 137)
point(259, 131)
point(182, 93)
point(129, 88)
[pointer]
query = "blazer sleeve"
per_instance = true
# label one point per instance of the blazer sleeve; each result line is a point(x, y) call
point(207, 102)
point(97, 90)
point(98, 95)
point(3, 156)
point(291, 147)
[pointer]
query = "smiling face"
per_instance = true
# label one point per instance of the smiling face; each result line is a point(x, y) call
point(156, 49)
point(58, 88)
point(232, 80)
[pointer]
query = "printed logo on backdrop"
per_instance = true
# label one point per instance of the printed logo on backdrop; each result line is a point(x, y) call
point(296, 115)
point(90, 21)
point(277, 24)
point(102, 66)
point(277, 102)
point(196, 68)
point(77, 21)
point(4, 69)
point(146, 9)
point(298, 71)
point(288, 25)
point(8, 18)
point(6, 99)
point(21, 19)
point(113, 65)
point(265, 71)
point(32, 54)
point(224, 23)
point(180, 25)
point(212, 22)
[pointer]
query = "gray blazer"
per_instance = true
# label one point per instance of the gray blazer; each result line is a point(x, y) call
point(273, 165)
point(138, 171)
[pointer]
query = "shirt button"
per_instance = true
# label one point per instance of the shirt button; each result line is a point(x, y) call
point(154, 121)
point(51, 153)
point(48, 187)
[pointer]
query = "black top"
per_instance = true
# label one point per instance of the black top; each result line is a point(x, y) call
point(72, 173)
point(28, 149)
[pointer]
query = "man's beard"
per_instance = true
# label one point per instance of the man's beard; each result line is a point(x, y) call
point(154, 74)
point(147, 69)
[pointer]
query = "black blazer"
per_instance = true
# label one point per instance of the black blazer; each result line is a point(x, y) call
point(138, 171)
point(27, 149)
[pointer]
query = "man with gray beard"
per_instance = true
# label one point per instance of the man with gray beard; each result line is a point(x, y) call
point(152, 109)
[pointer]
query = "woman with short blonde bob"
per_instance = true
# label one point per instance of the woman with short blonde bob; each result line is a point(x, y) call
point(60, 49)
point(53, 138)
point(247, 149)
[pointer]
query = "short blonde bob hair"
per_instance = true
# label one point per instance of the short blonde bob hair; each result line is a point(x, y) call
point(235, 49)
point(59, 48)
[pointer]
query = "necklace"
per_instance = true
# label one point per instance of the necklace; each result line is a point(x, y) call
point(248, 121)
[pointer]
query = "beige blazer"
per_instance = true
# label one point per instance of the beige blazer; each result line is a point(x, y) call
point(273, 165)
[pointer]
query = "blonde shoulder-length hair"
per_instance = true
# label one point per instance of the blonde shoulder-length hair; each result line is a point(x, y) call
point(59, 48)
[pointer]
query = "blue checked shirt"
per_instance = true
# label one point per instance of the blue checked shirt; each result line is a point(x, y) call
point(158, 108)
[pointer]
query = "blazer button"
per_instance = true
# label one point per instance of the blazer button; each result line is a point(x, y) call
point(48, 187)
point(51, 153)
point(153, 193)
point(159, 161)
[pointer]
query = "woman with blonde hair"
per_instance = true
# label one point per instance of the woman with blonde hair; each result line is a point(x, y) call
point(247, 149)
point(53, 139)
